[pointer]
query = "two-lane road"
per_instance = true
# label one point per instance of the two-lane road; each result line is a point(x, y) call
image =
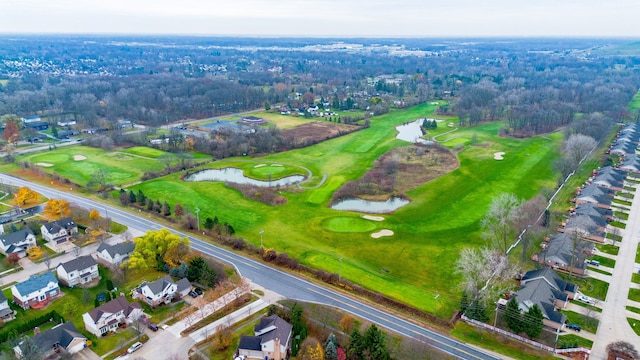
point(280, 282)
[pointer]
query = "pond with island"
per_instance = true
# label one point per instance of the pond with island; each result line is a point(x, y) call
point(237, 176)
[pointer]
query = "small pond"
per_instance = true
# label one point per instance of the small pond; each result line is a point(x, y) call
point(236, 176)
point(373, 207)
point(411, 132)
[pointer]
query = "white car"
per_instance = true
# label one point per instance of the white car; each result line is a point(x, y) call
point(585, 299)
point(134, 347)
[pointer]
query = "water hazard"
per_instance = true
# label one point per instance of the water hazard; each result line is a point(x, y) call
point(236, 176)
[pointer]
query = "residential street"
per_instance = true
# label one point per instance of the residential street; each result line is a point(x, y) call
point(613, 320)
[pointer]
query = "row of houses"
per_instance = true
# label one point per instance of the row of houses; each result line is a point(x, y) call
point(575, 241)
point(55, 233)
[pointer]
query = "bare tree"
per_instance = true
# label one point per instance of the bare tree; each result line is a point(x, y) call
point(485, 272)
point(623, 350)
point(577, 147)
point(499, 222)
point(47, 260)
point(76, 251)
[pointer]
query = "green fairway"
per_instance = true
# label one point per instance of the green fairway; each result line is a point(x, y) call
point(77, 163)
point(443, 217)
point(635, 102)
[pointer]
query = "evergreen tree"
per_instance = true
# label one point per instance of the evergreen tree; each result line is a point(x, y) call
point(149, 204)
point(477, 311)
point(375, 343)
point(216, 221)
point(513, 316)
point(533, 324)
point(299, 328)
point(208, 223)
point(142, 200)
point(132, 197)
point(464, 302)
point(331, 348)
point(356, 345)
point(166, 209)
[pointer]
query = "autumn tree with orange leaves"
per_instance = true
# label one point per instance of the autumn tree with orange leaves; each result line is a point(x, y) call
point(57, 208)
point(24, 195)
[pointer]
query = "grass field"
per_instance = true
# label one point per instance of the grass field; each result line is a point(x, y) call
point(122, 168)
point(442, 218)
point(635, 102)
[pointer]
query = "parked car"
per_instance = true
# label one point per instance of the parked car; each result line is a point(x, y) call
point(152, 326)
point(593, 262)
point(575, 327)
point(198, 291)
point(134, 347)
point(193, 294)
point(585, 299)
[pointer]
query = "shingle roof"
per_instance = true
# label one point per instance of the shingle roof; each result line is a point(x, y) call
point(560, 249)
point(591, 209)
point(113, 306)
point(15, 237)
point(157, 286)
point(183, 284)
point(540, 292)
point(80, 263)
point(250, 343)
point(35, 283)
point(55, 226)
point(2, 297)
point(551, 277)
point(282, 329)
point(62, 334)
point(122, 248)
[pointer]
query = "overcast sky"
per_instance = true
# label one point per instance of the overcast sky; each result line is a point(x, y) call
point(428, 18)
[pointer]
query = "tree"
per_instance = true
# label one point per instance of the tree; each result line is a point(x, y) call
point(94, 215)
point(166, 209)
point(299, 331)
point(513, 316)
point(499, 222)
point(177, 255)
point(29, 350)
point(623, 350)
point(57, 208)
point(11, 132)
point(533, 324)
point(464, 302)
point(477, 310)
point(151, 248)
point(124, 197)
point(375, 344)
point(140, 198)
point(24, 195)
point(132, 197)
point(98, 179)
point(577, 147)
point(178, 211)
point(485, 272)
point(208, 223)
point(356, 345)
point(331, 348)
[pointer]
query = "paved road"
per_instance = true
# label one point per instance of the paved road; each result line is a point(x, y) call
point(278, 281)
point(613, 321)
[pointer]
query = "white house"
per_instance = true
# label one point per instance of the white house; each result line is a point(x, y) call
point(61, 338)
point(271, 340)
point(31, 119)
point(154, 293)
point(37, 291)
point(17, 242)
point(108, 316)
point(59, 231)
point(6, 314)
point(115, 254)
point(80, 270)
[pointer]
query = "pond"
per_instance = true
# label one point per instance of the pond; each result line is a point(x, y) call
point(373, 207)
point(237, 176)
point(411, 132)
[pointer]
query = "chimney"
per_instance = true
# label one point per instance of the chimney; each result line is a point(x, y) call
point(276, 349)
point(36, 330)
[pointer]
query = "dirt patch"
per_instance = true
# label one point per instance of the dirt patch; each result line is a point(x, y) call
point(373, 218)
point(498, 155)
point(79, 157)
point(44, 164)
point(381, 233)
point(398, 171)
point(317, 131)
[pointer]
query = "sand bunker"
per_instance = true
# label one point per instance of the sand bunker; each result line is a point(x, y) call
point(260, 165)
point(43, 164)
point(276, 164)
point(381, 233)
point(79, 157)
point(374, 218)
point(498, 155)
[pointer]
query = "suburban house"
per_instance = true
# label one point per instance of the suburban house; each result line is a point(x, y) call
point(545, 288)
point(37, 291)
point(78, 271)
point(158, 292)
point(66, 122)
point(558, 250)
point(610, 178)
point(183, 287)
point(587, 227)
point(622, 148)
point(31, 119)
point(61, 339)
point(271, 340)
point(592, 210)
point(115, 254)
point(630, 163)
point(109, 316)
point(595, 194)
point(59, 231)
point(6, 314)
point(37, 125)
point(17, 242)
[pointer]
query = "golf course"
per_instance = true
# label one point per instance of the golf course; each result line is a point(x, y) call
point(413, 261)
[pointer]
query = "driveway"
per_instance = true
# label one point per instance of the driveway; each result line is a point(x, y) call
point(86, 354)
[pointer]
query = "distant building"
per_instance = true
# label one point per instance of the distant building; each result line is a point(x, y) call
point(252, 121)
point(31, 119)
point(66, 122)
point(37, 125)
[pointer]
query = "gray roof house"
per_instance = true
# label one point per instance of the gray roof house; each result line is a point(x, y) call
point(78, 271)
point(623, 148)
point(557, 253)
point(115, 254)
point(610, 178)
point(630, 163)
point(592, 210)
point(545, 288)
point(59, 231)
point(587, 226)
point(17, 242)
point(109, 316)
point(597, 195)
point(158, 292)
point(271, 340)
point(6, 314)
point(61, 338)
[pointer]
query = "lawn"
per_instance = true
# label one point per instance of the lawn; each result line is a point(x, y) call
point(608, 249)
point(604, 261)
point(120, 168)
point(587, 323)
point(572, 341)
point(635, 325)
point(635, 102)
point(442, 218)
point(589, 286)
point(634, 294)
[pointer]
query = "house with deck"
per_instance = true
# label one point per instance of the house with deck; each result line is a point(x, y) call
point(36, 292)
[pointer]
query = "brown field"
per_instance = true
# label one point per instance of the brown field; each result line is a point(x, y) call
point(316, 131)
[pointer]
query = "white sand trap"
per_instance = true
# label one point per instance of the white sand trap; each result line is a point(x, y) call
point(276, 164)
point(381, 233)
point(43, 164)
point(498, 155)
point(374, 218)
point(79, 157)
point(260, 165)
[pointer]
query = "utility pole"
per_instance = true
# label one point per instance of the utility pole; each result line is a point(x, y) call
point(198, 217)
point(261, 231)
